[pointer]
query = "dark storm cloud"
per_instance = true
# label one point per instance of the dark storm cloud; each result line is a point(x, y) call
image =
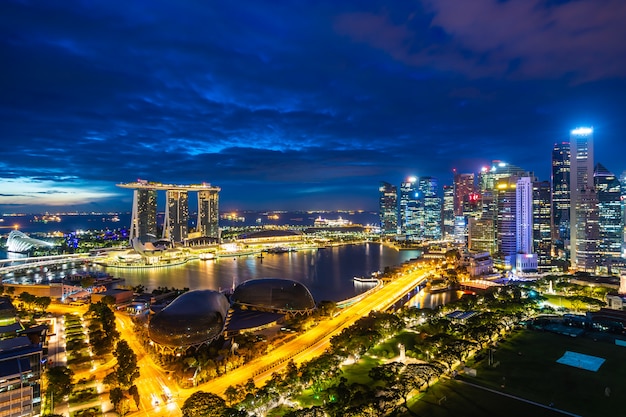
point(299, 104)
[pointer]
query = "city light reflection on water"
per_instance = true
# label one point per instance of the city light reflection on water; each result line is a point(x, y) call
point(328, 273)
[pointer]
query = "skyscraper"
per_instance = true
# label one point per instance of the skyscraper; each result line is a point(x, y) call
point(388, 208)
point(463, 188)
point(609, 192)
point(560, 194)
point(526, 259)
point(582, 201)
point(447, 213)
point(176, 223)
point(410, 208)
point(144, 225)
point(542, 230)
point(208, 213)
point(430, 213)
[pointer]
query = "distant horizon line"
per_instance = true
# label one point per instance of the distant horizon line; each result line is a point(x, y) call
point(98, 213)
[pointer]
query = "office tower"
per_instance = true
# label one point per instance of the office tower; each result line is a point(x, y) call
point(587, 229)
point(431, 205)
point(388, 208)
point(208, 213)
point(526, 258)
point(143, 222)
point(447, 213)
point(622, 181)
point(561, 194)
point(506, 221)
point(176, 223)
point(410, 208)
point(609, 192)
point(542, 225)
point(463, 188)
point(581, 188)
point(480, 235)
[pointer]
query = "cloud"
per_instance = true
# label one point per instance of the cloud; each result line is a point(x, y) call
point(518, 39)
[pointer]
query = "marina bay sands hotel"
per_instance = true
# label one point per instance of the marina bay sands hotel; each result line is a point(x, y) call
point(176, 223)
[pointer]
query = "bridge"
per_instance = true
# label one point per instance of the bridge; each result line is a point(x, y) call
point(13, 265)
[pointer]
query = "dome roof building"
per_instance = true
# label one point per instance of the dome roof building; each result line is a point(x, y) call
point(274, 294)
point(191, 320)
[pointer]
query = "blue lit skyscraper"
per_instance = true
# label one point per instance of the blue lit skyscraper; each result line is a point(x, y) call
point(410, 208)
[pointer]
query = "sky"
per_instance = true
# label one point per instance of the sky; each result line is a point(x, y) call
point(296, 104)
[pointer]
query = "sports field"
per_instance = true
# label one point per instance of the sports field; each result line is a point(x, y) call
point(528, 369)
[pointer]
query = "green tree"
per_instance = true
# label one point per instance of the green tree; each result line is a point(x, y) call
point(59, 381)
point(116, 395)
point(43, 302)
point(203, 404)
point(127, 369)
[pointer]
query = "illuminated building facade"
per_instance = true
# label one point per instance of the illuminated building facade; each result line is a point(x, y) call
point(587, 229)
point(582, 201)
point(610, 225)
point(388, 208)
point(176, 224)
point(561, 194)
point(463, 188)
point(208, 213)
point(526, 259)
point(447, 212)
point(542, 221)
point(410, 208)
point(480, 235)
point(144, 212)
point(430, 213)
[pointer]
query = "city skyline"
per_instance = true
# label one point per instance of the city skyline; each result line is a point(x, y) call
point(304, 106)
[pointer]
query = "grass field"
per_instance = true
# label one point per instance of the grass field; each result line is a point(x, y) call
point(528, 369)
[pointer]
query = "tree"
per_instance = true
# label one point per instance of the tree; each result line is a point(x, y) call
point(59, 381)
point(116, 395)
point(127, 369)
point(87, 282)
point(203, 404)
point(43, 302)
point(134, 392)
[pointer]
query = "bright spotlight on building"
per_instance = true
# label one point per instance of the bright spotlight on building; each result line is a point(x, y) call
point(582, 131)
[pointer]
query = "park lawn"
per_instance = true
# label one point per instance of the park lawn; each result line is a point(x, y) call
point(558, 301)
point(359, 372)
point(528, 369)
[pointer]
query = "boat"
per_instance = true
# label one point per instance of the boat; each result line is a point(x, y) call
point(363, 279)
point(206, 256)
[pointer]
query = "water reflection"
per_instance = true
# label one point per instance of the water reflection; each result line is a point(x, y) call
point(326, 272)
point(424, 299)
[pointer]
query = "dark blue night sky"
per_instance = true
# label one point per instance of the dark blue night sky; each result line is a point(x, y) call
point(296, 104)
